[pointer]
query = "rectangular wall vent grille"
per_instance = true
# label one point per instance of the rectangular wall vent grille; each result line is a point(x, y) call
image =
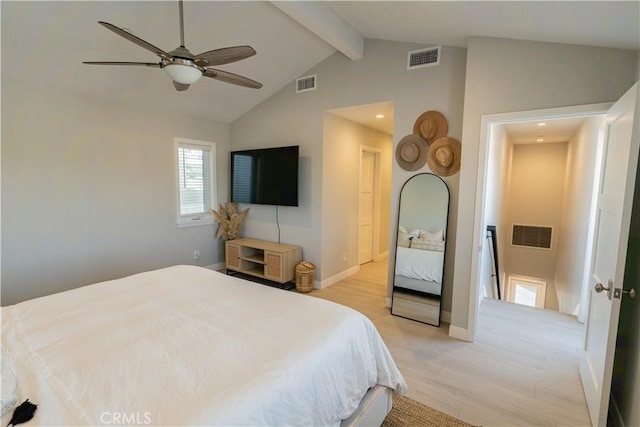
point(423, 58)
point(304, 84)
point(531, 236)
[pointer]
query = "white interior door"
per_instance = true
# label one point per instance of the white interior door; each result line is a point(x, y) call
point(367, 175)
point(616, 186)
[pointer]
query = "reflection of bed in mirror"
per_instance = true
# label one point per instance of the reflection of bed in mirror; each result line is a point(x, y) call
point(419, 270)
point(420, 249)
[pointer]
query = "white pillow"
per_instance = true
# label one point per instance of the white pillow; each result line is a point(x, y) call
point(415, 232)
point(432, 235)
point(428, 245)
point(401, 228)
point(404, 239)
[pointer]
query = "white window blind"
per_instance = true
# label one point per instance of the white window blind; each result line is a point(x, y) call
point(195, 181)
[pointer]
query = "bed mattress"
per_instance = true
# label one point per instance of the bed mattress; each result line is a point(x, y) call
point(432, 288)
point(189, 346)
point(419, 264)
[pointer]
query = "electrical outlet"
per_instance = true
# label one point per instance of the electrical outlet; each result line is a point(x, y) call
point(196, 254)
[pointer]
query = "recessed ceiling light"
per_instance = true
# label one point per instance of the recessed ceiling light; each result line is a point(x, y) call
point(379, 116)
point(539, 139)
point(542, 124)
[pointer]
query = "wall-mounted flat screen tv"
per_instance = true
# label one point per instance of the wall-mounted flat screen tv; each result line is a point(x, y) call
point(267, 176)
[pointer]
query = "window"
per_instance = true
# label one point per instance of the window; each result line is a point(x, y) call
point(243, 173)
point(195, 179)
point(526, 291)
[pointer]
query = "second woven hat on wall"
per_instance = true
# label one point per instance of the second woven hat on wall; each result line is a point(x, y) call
point(411, 153)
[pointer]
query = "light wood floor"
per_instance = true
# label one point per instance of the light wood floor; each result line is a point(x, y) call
point(522, 370)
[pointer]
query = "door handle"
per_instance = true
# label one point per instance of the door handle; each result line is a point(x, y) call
point(631, 292)
point(609, 288)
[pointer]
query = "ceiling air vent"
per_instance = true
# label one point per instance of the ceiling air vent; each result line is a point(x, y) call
point(304, 84)
point(423, 58)
point(531, 236)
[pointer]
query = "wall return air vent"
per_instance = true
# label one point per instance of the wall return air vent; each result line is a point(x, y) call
point(531, 236)
point(423, 58)
point(305, 84)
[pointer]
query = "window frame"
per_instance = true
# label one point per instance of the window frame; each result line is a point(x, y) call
point(201, 218)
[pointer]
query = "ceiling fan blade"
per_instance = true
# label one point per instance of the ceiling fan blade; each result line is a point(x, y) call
point(228, 77)
point(143, 64)
point(225, 55)
point(127, 35)
point(180, 87)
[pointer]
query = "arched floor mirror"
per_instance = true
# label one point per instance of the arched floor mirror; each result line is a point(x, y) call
point(420, 248)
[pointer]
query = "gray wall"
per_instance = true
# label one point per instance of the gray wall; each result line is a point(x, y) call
point(89, 192)
point(290, 118)
point(576, 215)
point(423, 204)
point(497, 197)
point(511, 75)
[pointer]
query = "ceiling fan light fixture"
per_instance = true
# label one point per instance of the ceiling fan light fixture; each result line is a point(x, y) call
point(183, 73)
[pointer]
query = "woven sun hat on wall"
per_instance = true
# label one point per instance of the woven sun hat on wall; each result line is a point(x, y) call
point(443, 156)
point(411, 152)
point(431, 125)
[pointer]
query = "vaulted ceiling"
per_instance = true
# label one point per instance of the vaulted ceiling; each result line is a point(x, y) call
point(44, 43)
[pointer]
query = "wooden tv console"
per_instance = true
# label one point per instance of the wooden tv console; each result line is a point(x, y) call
point(266, 260)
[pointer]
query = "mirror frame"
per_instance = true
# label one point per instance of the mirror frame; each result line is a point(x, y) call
point(418, 294)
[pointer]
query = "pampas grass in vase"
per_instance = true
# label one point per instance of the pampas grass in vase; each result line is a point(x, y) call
point(229, 221)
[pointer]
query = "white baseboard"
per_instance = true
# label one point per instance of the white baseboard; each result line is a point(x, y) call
point(445, 316)
point(218, 266)
point(334, 279)
point(459, 333)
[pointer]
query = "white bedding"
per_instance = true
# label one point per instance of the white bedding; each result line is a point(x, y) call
point(427, 286)
point(186, 346)
point(419, 264)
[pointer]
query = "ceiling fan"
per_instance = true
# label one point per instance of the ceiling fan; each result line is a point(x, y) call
point(182, 66)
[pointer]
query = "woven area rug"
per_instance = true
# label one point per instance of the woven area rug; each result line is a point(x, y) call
point(408, 412)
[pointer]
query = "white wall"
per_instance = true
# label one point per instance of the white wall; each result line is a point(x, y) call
point(497, 197)
point(89, 193)
point(290, 118)
point(576, 213)
point(511, 75)
point(536, 198)
point(341, 166)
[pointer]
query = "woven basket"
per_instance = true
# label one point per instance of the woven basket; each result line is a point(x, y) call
point(304, 276)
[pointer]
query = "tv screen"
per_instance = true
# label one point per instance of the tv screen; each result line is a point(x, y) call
point(267, 176)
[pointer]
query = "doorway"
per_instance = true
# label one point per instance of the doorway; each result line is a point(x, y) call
point(356, 142)
point(486, 199)
point(369, 201)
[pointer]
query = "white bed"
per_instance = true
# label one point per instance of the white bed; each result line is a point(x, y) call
point(189, 346)
point(419, 270)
